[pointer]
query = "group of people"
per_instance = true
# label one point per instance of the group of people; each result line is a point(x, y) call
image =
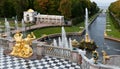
point(22, 46)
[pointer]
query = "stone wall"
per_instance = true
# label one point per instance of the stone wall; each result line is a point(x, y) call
point(111, 38)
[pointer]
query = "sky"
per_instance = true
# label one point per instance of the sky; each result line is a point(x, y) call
point(103, 2)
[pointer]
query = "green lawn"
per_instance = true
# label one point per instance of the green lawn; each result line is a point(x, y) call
point(115, 28)
point(52, 30)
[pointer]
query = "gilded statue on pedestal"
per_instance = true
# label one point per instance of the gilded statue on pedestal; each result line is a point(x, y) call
point(105, 57)
point(95, 56)
point(17, 47)
point(22, 46)
point(27, 42)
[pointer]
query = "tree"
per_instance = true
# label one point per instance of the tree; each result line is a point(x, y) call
point(42, 6)
point(31, 4)
point(20, 6)
point(8, 9)
point(115, 8)
point(53, 6)
point(65, 8)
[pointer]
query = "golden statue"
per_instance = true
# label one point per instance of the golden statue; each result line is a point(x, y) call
point(87, 38)
point(27, 42)
point(95, 56)
point(17, 47)
point(105, 57)
point(75, 43)
point(22, 47)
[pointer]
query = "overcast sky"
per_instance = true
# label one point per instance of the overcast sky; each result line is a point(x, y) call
point(103, 2)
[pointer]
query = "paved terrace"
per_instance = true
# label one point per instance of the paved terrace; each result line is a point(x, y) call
point(10, 62)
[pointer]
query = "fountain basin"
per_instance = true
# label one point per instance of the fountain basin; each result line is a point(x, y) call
point(49, 38)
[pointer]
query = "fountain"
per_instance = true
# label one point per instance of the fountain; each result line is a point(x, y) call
point(16, 25)
point(70, 44)
point(7, 28)
point(87, 37)
point(87, 43)
point(64, 39)
point(59, 41)
point(54, 42)
point(63, 43)
point(23, 28)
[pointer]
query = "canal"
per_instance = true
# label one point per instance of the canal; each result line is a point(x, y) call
point(96, 31)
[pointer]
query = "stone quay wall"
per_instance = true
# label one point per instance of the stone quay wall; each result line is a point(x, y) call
point(111, 38)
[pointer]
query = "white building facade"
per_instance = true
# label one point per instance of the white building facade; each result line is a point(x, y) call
point(29, 16)
point(32, 16)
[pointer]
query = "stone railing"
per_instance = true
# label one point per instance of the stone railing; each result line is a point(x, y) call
point(89, 64)
point(46, 50)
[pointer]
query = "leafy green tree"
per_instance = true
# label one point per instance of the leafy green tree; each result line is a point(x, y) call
point(20, 6)
point(53, 7)
point(115, 8)
point(65, 8)
point(7, 9)
point(42, 5)
point(31, 4)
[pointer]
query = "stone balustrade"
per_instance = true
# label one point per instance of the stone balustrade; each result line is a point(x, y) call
point(58, 52)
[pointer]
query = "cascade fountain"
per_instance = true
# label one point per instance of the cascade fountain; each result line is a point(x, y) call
point(7, 28)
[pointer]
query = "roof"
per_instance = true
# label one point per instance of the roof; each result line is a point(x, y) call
point(30, 10)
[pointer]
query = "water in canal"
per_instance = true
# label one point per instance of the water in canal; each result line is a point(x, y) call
point(96, 31)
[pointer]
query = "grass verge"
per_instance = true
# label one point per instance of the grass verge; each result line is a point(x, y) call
point(113, 26)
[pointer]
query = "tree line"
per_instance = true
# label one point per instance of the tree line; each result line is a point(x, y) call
point(71, 9)
point(115, 8)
